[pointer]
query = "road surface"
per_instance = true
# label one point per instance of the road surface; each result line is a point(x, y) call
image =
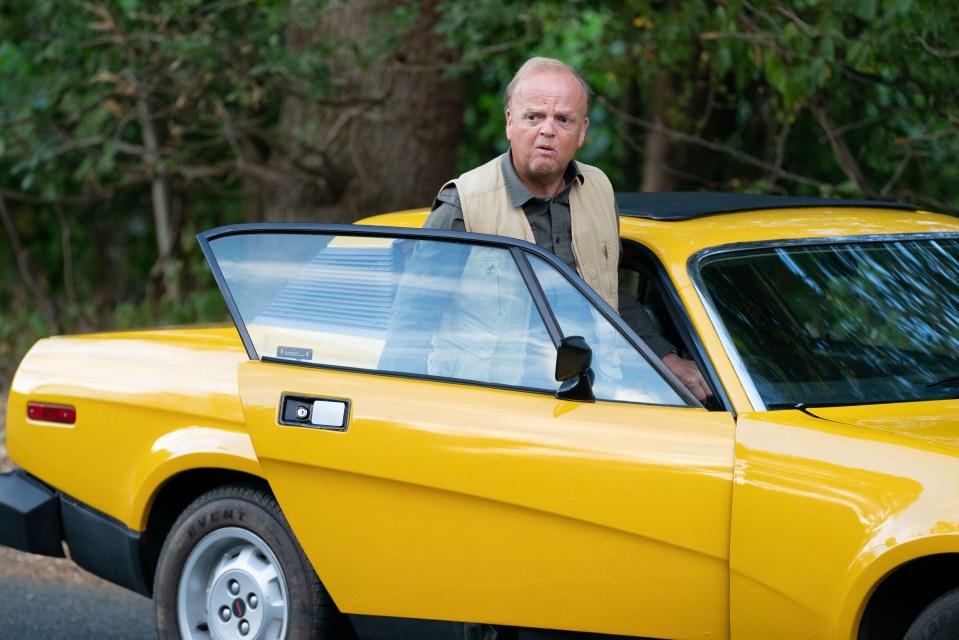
point(36, 610)
point(47, 599)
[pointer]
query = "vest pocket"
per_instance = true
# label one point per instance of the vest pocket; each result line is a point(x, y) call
point(604, 280)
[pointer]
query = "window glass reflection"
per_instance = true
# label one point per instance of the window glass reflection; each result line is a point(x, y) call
point(423, 307)
point(622, 373)
point(464, 312)
point(842, 323)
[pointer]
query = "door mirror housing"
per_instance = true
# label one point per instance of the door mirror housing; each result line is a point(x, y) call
point(573, 359)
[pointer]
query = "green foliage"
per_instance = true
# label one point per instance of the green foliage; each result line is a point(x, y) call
point(77, 74)
point(765, 80)
point(88, 87)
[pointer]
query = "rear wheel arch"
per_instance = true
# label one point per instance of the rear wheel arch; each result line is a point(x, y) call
point(172, 498)
point(231, 566)
point(904, 593)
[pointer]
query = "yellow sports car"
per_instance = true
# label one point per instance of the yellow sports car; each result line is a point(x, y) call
point(429, 434)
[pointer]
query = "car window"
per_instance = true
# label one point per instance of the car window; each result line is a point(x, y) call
point(621, 372)
point(640, 279)
point(427, 307)
point(464, 311)
point(842, 323)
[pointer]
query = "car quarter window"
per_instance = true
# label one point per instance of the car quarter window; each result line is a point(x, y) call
point(439, 308)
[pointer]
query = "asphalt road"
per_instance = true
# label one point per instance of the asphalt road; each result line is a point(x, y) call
point(44, 610)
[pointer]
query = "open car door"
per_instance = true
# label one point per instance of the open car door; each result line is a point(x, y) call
point(402, 398)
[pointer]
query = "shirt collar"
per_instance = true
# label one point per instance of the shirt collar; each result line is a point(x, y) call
point(519, 194)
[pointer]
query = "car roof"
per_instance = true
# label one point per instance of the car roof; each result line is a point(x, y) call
point(679, 205)
point(687, 205)
point(675, 225)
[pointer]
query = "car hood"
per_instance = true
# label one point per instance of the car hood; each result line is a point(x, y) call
point(932, 421)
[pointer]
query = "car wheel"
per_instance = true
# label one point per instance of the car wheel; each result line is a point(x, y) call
point(231, 568)
point(938, 621)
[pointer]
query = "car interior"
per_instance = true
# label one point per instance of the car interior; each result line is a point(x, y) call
point(644, 277)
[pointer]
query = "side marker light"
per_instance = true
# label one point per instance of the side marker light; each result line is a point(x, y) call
point(61, 414)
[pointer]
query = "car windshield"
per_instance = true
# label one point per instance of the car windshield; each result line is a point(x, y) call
point(844, 322)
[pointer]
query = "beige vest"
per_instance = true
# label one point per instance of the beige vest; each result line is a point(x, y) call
point(595, 225)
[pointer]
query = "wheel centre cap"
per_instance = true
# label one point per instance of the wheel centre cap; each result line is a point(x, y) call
point(234, 606)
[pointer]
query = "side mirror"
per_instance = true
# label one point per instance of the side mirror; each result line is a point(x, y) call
point(572, 369)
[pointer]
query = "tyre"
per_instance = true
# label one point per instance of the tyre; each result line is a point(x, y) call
point(938, 621)
point(231, 569)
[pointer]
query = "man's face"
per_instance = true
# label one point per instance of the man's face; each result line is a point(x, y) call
point(545, 124)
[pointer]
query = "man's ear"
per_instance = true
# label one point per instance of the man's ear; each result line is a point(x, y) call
point(509, 123)
point(582, 133)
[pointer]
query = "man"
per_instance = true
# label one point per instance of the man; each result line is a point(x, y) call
point(538, 192)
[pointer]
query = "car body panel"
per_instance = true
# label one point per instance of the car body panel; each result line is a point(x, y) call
point(799, 478)
point(527, 510)
point(775, 565)
point(932, 421)
point(163, 401)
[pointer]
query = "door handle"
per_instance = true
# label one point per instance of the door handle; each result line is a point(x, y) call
point(332, 414)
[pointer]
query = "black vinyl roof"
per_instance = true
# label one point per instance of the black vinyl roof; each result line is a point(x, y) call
point(685, 205)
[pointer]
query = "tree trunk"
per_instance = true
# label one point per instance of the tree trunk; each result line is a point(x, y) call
point(163, 273)
point(659, 147)
point(384, 140)
point(28, 274)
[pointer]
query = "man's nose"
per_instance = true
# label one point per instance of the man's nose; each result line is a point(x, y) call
point(548, 128)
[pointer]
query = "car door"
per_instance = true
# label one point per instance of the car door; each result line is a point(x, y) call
point(402, 401)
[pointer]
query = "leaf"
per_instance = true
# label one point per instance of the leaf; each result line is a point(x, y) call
point(775, 73)
point(865, 10)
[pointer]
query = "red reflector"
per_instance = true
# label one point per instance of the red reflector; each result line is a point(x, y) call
point(51, 412)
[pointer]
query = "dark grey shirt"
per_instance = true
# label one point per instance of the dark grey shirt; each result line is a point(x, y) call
point(548, 217)
point(553, 230)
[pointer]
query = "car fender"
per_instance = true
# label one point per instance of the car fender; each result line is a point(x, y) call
point(822, 511)
point(184, 450)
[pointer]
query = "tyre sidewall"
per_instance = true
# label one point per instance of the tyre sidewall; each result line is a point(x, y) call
point(244, 508)
point(939, 621)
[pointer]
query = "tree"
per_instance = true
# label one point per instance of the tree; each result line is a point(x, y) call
point(816, 97)
point(129, 125)
point(384, 136)
point(118, 104)
point(855, 98)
